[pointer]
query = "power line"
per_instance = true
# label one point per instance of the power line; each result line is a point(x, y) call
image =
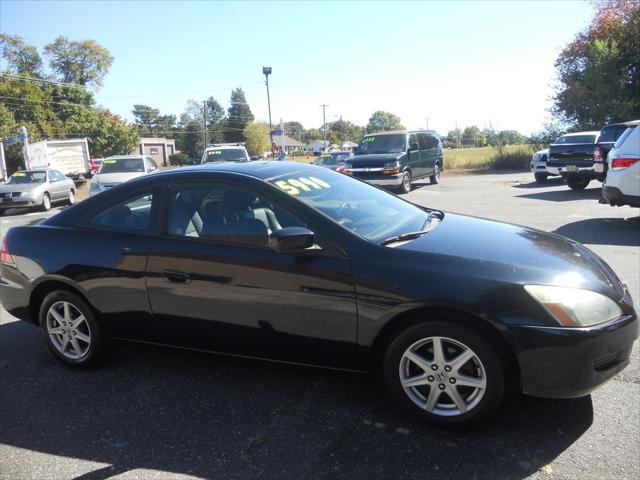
point(42, 80)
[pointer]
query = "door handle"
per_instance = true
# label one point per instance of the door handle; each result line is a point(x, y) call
point(173, 276)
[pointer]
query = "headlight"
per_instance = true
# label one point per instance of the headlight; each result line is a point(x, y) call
point(391, 168)
point(574, 307)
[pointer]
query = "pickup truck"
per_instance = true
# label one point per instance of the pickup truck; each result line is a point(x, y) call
point(572, 156)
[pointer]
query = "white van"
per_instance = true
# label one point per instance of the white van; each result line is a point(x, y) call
point(622, 185)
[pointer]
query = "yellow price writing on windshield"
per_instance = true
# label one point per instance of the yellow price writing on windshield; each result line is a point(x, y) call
point(293, 186)
point(109, 161)
point(19, 174)
point(214, 152)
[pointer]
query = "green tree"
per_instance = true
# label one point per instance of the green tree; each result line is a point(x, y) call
point(383, 121)
point(294, 129)
point(257, 138)
point(150, 123)
point(239, 115)
point(190, 137)
point(345, 130)
point(83, 62)
point(21, 57)
point(599, 71)
point(216, 121)
point(312, 134)
point(473, 137)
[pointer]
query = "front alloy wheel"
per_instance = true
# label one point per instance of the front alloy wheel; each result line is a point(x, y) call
point(46, 202)
point(445, 373)
point(71, 199)
point(405, 186)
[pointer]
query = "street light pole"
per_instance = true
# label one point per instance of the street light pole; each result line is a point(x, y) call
point(324, 123)
point(267, 71)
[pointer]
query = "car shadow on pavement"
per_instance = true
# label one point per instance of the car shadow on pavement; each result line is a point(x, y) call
point(551, 182)
point(213, 417)
point(566, 195)
point(603, 231)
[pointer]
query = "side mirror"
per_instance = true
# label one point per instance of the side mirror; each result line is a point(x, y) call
point(413, 147)
point(291, 239)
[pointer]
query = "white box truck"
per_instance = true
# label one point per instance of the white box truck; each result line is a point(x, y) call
point(71, 157)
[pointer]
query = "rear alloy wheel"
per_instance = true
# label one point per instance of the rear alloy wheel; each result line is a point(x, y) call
point(541, 177)
point(405, 186)
point(435, 178)
point(71, 199)
point(446, 374)
point(578, 183)
point(46, 203)
point(70, 329)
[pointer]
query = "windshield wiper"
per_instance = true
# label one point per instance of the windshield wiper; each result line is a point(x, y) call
point(432, 221)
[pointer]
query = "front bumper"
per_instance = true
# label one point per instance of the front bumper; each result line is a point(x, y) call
point(379, 179)
point(616, 198)
point(560, 362)
point(21, 201)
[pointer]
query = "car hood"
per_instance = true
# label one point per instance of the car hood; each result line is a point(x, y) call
point(21, 187)
point(517, 254)
point(117, 177)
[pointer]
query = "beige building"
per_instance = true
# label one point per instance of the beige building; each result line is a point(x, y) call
point(157, 148)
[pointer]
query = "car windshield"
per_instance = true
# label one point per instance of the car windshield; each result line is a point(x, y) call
point(382, 144)
point(331, 158)
point(571, 139)
point(27, 177)
point(624, 136)
point(122, 165)
point(225, 155)
point(367, 211)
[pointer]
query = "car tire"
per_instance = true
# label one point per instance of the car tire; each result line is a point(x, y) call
point(46, 202)
point(435, 178)
point(578, 183)
point(405, 186)
point(428, 396)
point(541, 177)
point(70, 329)
point(71, 199)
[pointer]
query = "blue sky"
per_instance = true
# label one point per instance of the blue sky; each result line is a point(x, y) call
point(468, 62)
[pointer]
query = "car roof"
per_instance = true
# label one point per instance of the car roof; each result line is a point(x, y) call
point(260, 169)
point(126, 156)
point(400, 132)
point(581, 133)
point(223, 146)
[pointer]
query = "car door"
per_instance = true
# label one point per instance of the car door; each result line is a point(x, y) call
point(215, 284)
point(58, 184)
point(414, 156)
point(429, 154)
point(111, 267)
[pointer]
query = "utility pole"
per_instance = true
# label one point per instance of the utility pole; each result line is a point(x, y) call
point(457, 136)
point(204, 121)
point(3, 165)
point(324, 123)
point(427, 123)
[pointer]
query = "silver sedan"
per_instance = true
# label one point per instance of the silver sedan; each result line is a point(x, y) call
point(36, 189)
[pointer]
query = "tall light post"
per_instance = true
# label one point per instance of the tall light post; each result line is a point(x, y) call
point(267, 71)
point(324, 123)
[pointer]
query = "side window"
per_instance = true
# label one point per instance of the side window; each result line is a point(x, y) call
point(131, 215)
point(413, 138)
point(152, 163)
point(432, 142)
point(423, 140)
point(225, 213)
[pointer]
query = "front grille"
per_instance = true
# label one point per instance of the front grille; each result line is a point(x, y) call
point(369, 175)
point(16, 194)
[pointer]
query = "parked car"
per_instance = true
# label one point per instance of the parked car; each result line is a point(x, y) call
point(36, 189)
point(119, 169)
point(538, 165)
point(333, 160)
point(572, 156)
point(225, 152)
point(622, 185)
point(396, 159)
point(296, 263)
point(608, 137)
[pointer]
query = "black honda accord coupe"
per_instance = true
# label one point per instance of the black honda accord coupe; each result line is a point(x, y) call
point(297, 263)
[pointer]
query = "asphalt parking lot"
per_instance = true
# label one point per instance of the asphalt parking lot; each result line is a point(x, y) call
point(156, 413)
